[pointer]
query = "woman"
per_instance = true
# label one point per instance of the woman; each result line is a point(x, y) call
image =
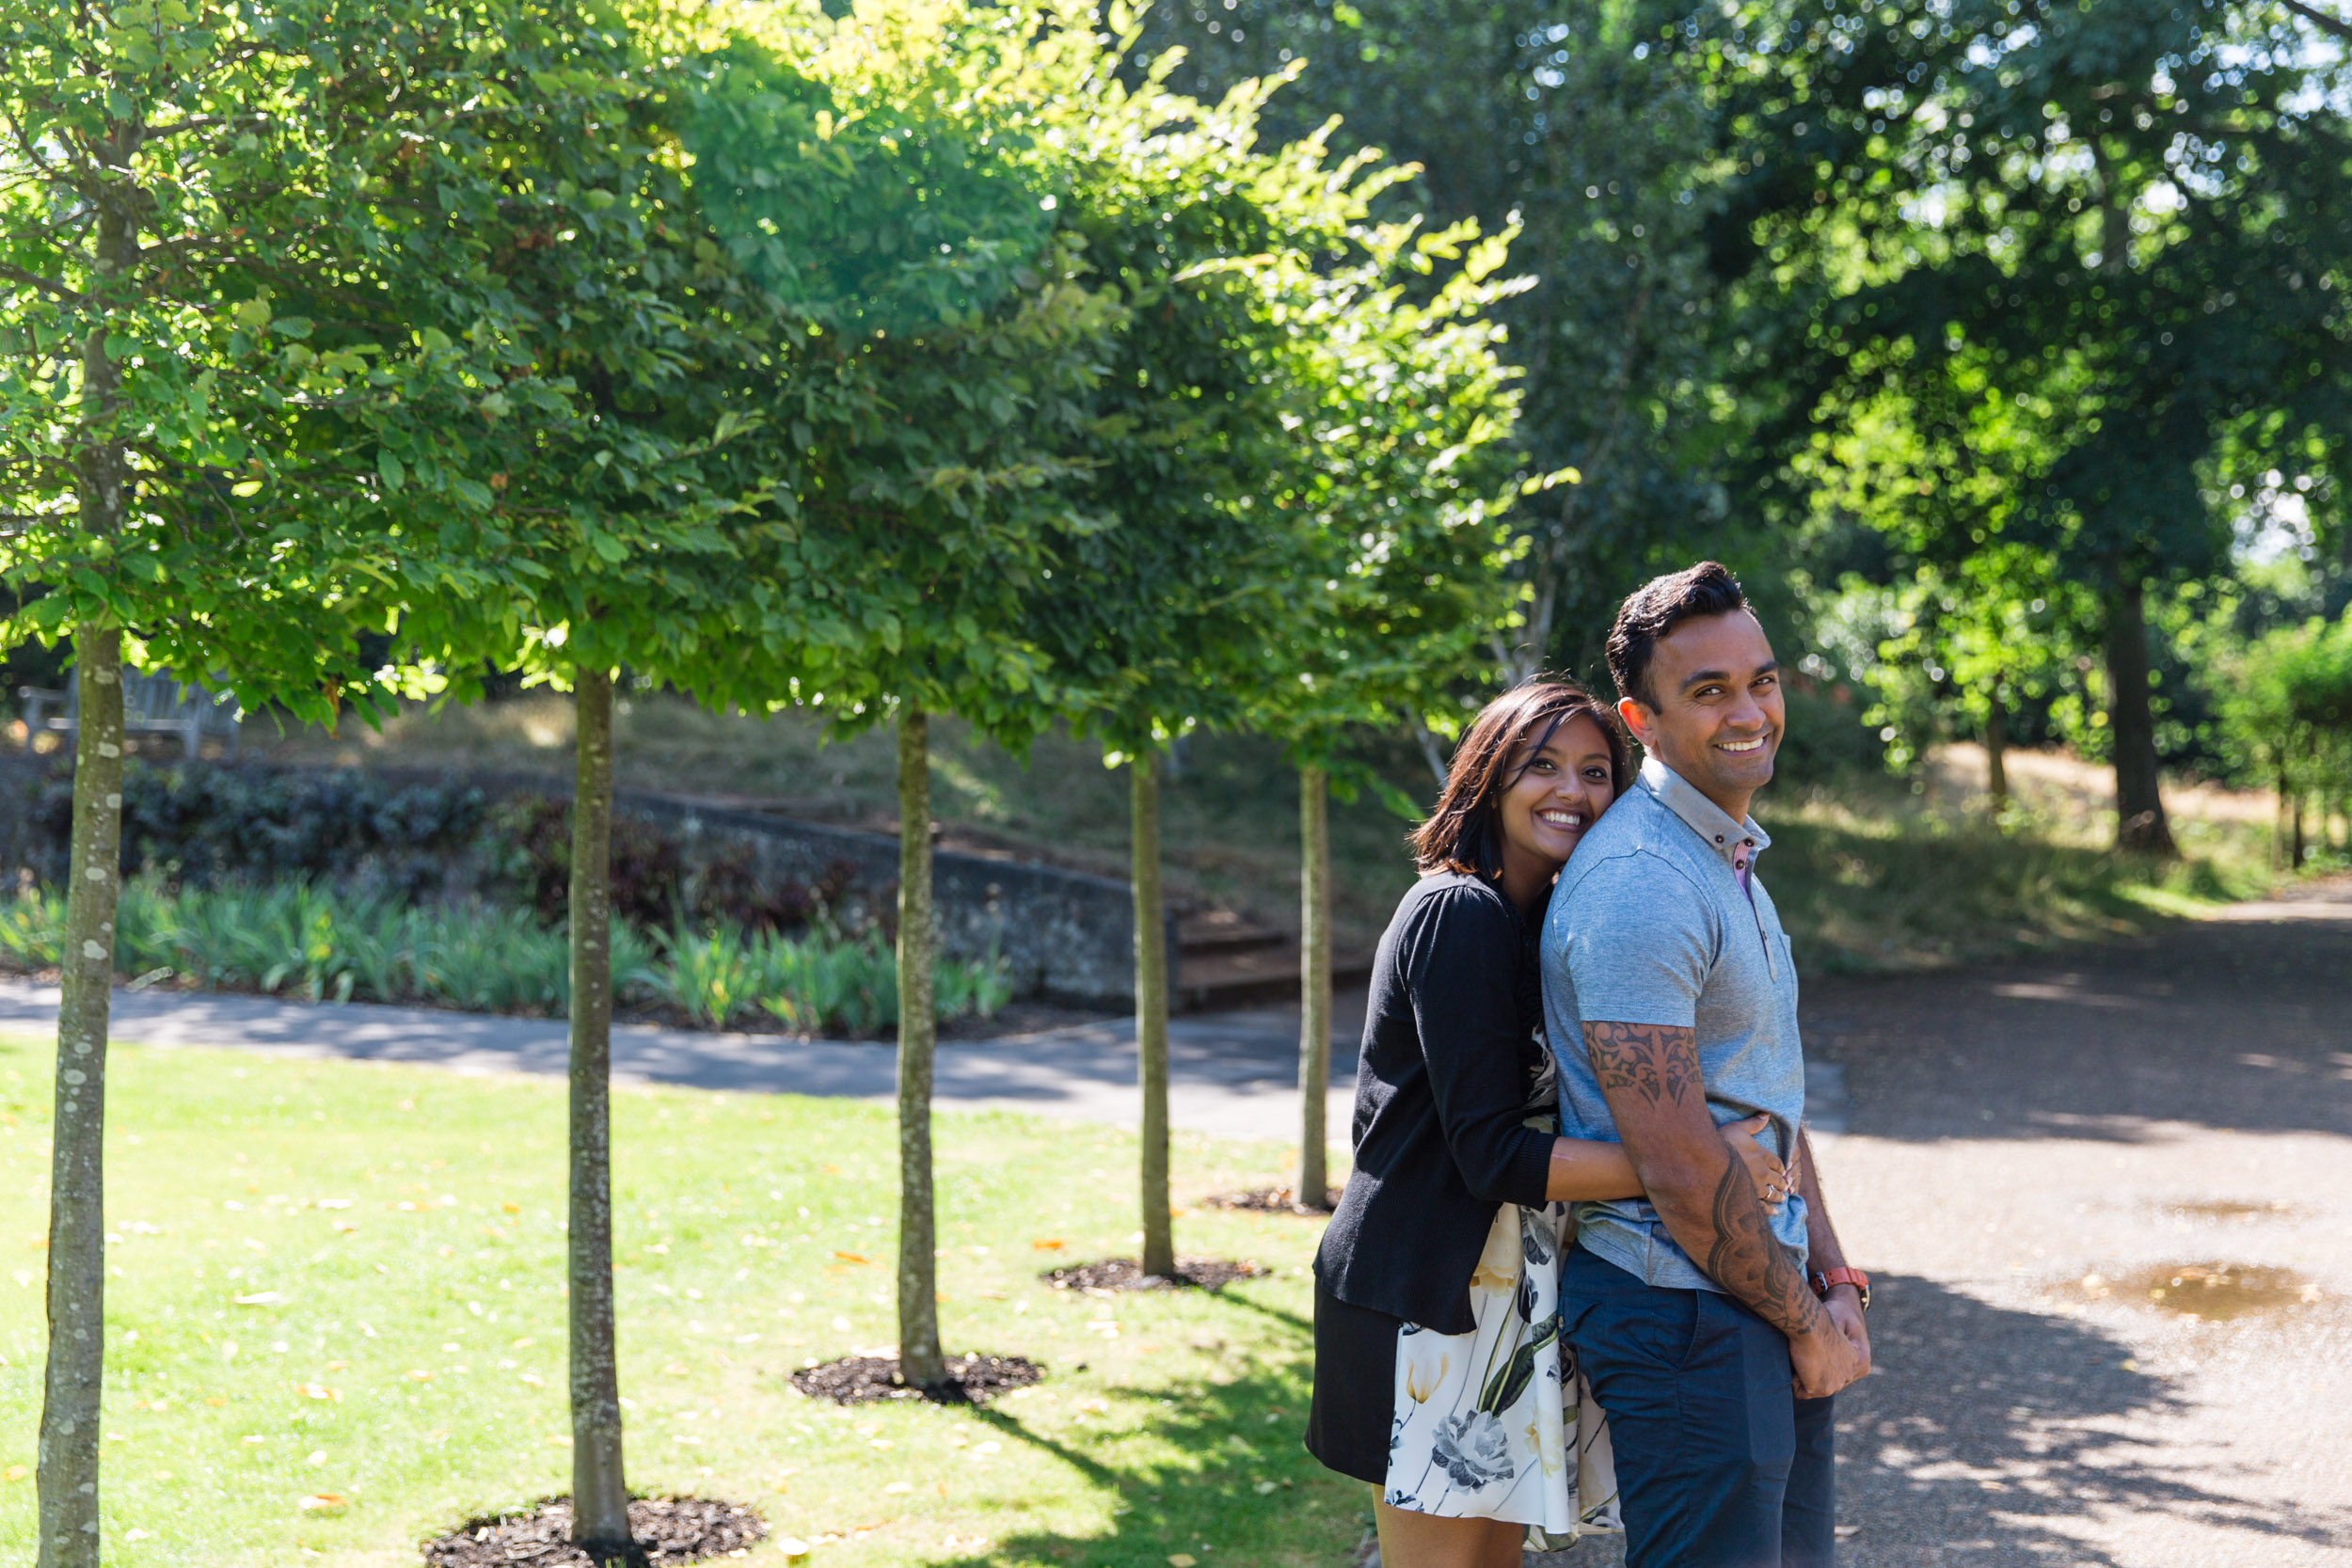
point(1440, 1376)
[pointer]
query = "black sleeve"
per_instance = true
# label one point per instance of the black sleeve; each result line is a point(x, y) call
point(1463, 974)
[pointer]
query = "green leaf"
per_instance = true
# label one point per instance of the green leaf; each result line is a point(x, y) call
point(388, 469)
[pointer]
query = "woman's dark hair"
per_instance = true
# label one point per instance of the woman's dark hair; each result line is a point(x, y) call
point(1653, 609)
point(1500, 745)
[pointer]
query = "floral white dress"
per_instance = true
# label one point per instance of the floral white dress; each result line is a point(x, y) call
point(1499, 1423)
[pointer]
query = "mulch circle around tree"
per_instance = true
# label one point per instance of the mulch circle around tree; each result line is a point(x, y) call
point(667, 1530)
point(1126, 1273)
point(865, 1379)
point(1274, 1200)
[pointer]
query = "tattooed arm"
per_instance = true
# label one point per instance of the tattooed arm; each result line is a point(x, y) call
point(1824, 1253)
point(1650, 1075)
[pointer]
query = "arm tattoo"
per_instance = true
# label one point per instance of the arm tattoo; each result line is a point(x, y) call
point(1650, 1075)
point(1747, 1258)
point(1655, 1061)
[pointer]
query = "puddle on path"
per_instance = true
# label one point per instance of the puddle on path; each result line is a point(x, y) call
point(2232, 1209)
point(2212, 1292)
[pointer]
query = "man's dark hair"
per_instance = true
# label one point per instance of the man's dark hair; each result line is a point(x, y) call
point(1653, 609)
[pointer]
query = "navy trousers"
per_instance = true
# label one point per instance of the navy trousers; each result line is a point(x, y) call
point(1719, 1463)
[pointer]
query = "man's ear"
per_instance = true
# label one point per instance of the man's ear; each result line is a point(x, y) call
point(1637, 716)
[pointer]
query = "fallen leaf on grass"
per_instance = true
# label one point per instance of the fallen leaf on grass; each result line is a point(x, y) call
point(792, 1547)
point(851, 1257)
point(320, 1391)
point(899, 1486)
point(1181, 1560)
point(17, 1472)
point(1050, 1243)
point(320, 1501)
point(261, 1298)
point(421, 1375)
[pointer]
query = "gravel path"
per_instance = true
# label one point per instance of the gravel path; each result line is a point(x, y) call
point(2032, 1152)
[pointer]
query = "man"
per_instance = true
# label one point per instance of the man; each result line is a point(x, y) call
point(1713, 1332)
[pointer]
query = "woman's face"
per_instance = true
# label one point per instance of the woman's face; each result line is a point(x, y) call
point(1559, 794)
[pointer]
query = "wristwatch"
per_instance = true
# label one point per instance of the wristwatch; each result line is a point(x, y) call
point(1823, 1283)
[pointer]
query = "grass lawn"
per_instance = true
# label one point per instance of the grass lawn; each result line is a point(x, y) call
point(396, 1238)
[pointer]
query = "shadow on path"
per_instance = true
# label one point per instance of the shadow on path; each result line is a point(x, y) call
point(2236, 1023)
point(1989, 1436)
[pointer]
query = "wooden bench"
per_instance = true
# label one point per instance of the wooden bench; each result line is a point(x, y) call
point(151, 704)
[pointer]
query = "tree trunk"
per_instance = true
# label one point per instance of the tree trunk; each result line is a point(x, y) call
point(2297, 850)
point(2283, 850)
point(600, 1491)
point(1996, 754)
point(75, 1374)
point(1313, 1183)
point(1159, 1238)
point(920, 1362)
point(2139, 803)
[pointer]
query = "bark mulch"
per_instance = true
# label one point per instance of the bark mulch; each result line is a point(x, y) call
point(865, 1379)
point(1274, 1200)
point(667, 1530)
point(1125, 1274)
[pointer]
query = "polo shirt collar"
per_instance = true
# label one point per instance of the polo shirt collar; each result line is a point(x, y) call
point(1715, 826)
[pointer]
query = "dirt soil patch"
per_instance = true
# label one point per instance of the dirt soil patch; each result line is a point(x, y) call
point(1274, 1200)
point(865, 1379)
point(1126, 1273)
point(667, 1530)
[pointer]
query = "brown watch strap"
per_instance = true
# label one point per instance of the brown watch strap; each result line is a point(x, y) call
point(1824, 1283)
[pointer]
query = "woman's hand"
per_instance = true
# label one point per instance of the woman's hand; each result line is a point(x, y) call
point(1764, 1167)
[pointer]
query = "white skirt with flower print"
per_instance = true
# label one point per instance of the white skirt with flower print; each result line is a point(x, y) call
point(1497, 1423)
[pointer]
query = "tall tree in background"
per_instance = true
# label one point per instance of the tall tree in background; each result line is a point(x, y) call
point(223, 254)
point(1401, 464)
point(1577, 127)
point(886, 182)
point(2139, 209)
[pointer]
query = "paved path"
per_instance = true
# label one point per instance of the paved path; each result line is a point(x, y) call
point(1233, 1074)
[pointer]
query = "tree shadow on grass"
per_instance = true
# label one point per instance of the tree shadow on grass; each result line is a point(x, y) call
point(1239, 1490)
point(1996, 1437)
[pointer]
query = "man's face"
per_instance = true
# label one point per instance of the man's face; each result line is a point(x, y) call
point(1719, 716)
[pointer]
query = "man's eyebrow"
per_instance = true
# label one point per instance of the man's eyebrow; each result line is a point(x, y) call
point(1700, 678)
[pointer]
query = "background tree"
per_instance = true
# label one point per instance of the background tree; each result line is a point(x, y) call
point(1603, 149)
point(2134, 211)
point(203, 218)
point(888, 181)
point(1400, 463)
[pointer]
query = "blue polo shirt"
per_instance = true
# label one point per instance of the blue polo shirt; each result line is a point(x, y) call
point(1659, 918)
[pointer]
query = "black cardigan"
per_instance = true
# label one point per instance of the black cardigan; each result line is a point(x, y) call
point(1450, 1047)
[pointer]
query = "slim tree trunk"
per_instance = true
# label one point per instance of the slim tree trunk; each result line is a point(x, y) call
point(920, 1362)
point(1314, 985)
point(1159, 1236)
point(2297, 850)
point(75, 1375)
point(2138, 801)
point(599, 1490)
point(2284, 852)
point(1997, 752)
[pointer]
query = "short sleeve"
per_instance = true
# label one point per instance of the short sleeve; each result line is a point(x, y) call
point(1637, 942)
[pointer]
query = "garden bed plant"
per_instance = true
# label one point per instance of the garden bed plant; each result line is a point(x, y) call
point(314, 941)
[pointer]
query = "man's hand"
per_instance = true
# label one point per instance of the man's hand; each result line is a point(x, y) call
point(1842, 1306)
point(1829, 1358)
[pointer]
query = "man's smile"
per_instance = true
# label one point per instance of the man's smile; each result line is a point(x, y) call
point(1739, 746)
